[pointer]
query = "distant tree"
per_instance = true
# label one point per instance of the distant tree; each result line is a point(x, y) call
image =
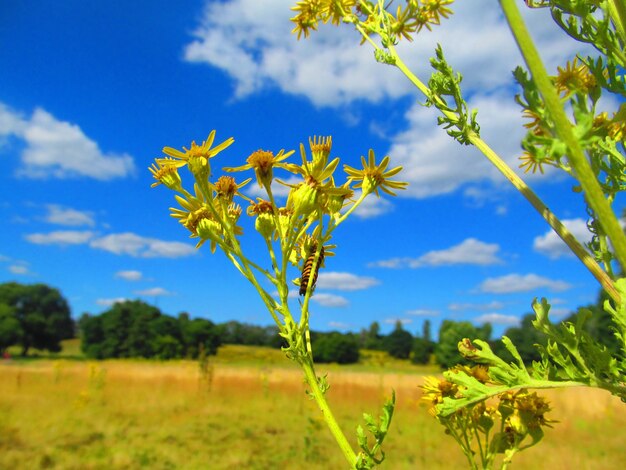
point(372, 338)
point(423, 347)
point(42, 313)
point(525, 338)
point(198, 333)
point(136, 329)
point(399, 342)
point(450, 333)
point(336, 347)
point(10, 328)
point(599, 325)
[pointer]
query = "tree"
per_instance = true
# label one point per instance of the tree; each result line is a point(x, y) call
point(200, 332)
point(10, 328)
point(42, 313)
point(423, 346)
point(372, 339)
point(336, 347)
point(524, 337)
point(450, 333)
point(399, 342)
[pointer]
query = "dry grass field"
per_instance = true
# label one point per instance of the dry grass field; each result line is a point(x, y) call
point(251, 412)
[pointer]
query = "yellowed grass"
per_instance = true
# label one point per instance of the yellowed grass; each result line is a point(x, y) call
point(133, 414)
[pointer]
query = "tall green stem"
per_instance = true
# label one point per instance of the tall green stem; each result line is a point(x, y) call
point(576, 157)
point(605, 281)
point(320, 399)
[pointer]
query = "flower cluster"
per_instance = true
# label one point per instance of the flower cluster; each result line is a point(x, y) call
point(315, 206)
point(488, 429)
point(371, 17)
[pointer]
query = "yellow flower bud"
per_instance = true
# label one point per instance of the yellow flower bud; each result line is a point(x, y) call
point(209, 229)
point(304, 199)
point(264, 224)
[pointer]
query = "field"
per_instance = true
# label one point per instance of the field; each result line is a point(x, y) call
point(249, 411)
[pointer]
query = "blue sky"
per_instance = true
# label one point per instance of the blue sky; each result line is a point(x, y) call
point(90, 92)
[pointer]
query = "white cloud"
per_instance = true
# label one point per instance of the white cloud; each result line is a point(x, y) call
point(423, 312)
point(329, 300)
point(110, 302)
point(393, 321)
point(68, 216)
point(60, 237)
point(59, 149)
point(251, 41)
point(373, 206)
point(118, 243)
point(344, 281)
point(153, 292)
point(142, 247)
point(469, 251)
point(129, 275)
point(551, 245)
point(494, 305)
point(497, 319)
point(20, 270)
point(521, 283)
point(339, 325)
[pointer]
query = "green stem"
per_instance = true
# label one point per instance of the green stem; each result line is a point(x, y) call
point(320, 399)
point(582, 169)
point(601, 276)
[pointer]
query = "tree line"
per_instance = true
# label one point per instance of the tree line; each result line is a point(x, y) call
point(37, 316)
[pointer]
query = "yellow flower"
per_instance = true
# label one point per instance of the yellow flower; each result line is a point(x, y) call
point(533, 163)
point(165, 172)
point(263, 161)
point(574, 77)
point(197, 157)
point(373, 177)
point(226, 187)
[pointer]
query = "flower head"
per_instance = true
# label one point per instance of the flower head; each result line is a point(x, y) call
point(374, 177)
point(226, 187)
point(165, 172)
point(263, 162)
point(197, 156)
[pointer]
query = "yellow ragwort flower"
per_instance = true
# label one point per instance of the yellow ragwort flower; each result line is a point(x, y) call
point(197, 157)
point(533, 163)
point(165, 172)
point(263, 162)
point(374, 177)
point(574, 77)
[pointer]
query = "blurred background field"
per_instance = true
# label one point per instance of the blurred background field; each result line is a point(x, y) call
point(247, 410)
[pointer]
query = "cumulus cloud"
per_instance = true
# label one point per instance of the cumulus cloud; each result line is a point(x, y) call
point(67, 216)
point(111, 301)
point(373, 207)
point(129, 275)
point(153, 292)
point(551, 245)
point(423, 312)
point(142, 247)
point(498, 319)
point(59, 149)
point(329, 300)
point(521, 283)
point(344, 281)
point(61, 237)
point(251, 41)
point(457, 307)
point(117, 243)
point(469, 251)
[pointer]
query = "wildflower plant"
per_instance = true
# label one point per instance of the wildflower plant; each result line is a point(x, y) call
point(567, 130)
point(298, 238)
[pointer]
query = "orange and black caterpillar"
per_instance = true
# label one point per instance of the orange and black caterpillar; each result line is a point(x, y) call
point(308, 267)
